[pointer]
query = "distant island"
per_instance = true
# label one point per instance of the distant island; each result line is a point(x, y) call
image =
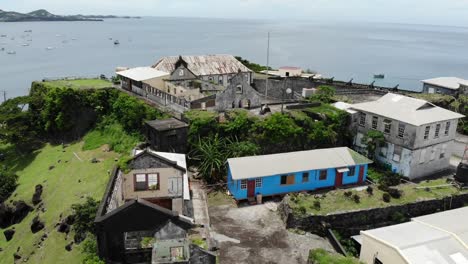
point(44, 15)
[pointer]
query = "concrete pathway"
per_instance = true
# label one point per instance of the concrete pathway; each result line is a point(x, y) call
point(200, 210)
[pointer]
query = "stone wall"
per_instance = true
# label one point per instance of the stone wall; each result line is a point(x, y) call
point(239, 94)
point(354, 221)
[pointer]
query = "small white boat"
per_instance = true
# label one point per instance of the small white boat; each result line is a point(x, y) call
point(49, 48)
point(58, 35)
point(11, 52)
point(25, 44)
point(73, 38)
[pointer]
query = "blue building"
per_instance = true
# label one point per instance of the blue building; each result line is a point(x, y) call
point(295, 171)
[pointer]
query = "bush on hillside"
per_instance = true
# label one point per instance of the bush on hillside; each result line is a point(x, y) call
point(8, 183)
point(321, 256)
point(84, 215)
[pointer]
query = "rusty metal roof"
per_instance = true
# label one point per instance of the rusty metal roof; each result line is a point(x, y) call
point(204, 65)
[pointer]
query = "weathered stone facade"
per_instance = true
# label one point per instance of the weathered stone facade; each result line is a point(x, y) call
point(239, 94)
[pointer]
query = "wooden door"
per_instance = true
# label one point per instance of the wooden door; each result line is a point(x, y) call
point(251, 188)
point(361, 174)
point(339, 179)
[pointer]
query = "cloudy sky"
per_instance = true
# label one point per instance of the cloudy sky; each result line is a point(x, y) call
point(453, 12)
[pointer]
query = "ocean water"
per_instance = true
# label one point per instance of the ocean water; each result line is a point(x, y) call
point(404, 53)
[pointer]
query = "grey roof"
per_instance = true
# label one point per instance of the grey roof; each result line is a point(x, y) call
point(436, 238)
point(268, 165)
point(142, 73)
point(166, 124)
point(446, 82)
point(204, 65)
point(406, 109)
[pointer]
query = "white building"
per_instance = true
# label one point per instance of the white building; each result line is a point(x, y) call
point(132, 79)
point(418, 134)
point(439, 238)
point(444, 85)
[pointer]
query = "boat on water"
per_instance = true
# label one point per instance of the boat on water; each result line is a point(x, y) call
point(25, 44)
point(379, 76)
point(11, 52)
point(28, 31)
point(116, 42)
point(49, 48)
point(2, 49)
point(3, 36)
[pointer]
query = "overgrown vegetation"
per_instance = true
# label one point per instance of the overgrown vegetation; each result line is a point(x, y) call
point(89, 252)
point(253, 66)
point(240, 134)
point(8, 183)
point(321, 256)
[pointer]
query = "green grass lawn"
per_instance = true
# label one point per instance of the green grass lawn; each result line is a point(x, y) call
point(80, 84)
point(217, 198)
point(70, 182)
point(336, 201)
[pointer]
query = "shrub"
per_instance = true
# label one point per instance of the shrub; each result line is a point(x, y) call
point(321, 256)
point(7, 185)
point(370, 190)
point(398, 217)
point(348, 194)
point(356, 198)
point(395, 193)
point(84, 216)
point(317, 205)
point(90, 252)
point(386, 197)
point(302, 209)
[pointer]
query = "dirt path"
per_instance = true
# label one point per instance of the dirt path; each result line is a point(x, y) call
point(254, 234)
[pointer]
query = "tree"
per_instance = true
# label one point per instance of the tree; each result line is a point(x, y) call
point(373, 139)
point(84, 216)
point(8, 183)
point(324, 94)
point(16, 124)
point(277, 133)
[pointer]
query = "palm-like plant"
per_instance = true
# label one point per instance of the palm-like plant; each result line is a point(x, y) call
point(210, 155)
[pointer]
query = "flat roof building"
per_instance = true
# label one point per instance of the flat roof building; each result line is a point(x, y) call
point(439, 238)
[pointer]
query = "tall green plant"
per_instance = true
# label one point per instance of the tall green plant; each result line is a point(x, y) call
point(373, 139)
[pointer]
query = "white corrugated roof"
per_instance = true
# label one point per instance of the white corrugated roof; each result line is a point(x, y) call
point(446, 82)
point(204, 64)
point(406, 109)
point(436, 238)
point(268, 165)
point(142, 73)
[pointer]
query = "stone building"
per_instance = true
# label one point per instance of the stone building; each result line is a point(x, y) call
point(418, 134)
point(238, 94)
point(217, 69)
point(168, 135)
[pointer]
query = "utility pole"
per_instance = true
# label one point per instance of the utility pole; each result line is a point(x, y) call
point(268, 66)
point(4, 96)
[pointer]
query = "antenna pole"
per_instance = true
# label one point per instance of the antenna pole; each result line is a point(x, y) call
point(268, 66)
point(4, 96)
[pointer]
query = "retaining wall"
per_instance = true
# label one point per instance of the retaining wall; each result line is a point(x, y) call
point(354, 221)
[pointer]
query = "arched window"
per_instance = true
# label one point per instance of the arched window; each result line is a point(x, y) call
point(239, 89)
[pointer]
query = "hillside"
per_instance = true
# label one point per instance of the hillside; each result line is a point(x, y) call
point(73, 178)
point(44, 15)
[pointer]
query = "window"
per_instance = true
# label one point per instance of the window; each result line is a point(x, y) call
point(387, 126)
point(140, 182)
point(375, 122)
point(437, 131)
point(153, 181)
point(287, 179)
point(323, 175)
point(401, 130)
point(177, 253)
point(352, 171)
point(447, 128)
point(258, 183)
point(181, 72)
point(305, 177)
point(362, 119)
point(144, 182)
point(426, 132)
point(239, 89)
point(243, 184)
point(397, 153)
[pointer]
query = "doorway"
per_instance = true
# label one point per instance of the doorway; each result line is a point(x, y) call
point(251, 188)
point(339, 179)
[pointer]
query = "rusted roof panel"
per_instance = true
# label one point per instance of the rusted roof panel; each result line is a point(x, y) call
point(204, 65)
